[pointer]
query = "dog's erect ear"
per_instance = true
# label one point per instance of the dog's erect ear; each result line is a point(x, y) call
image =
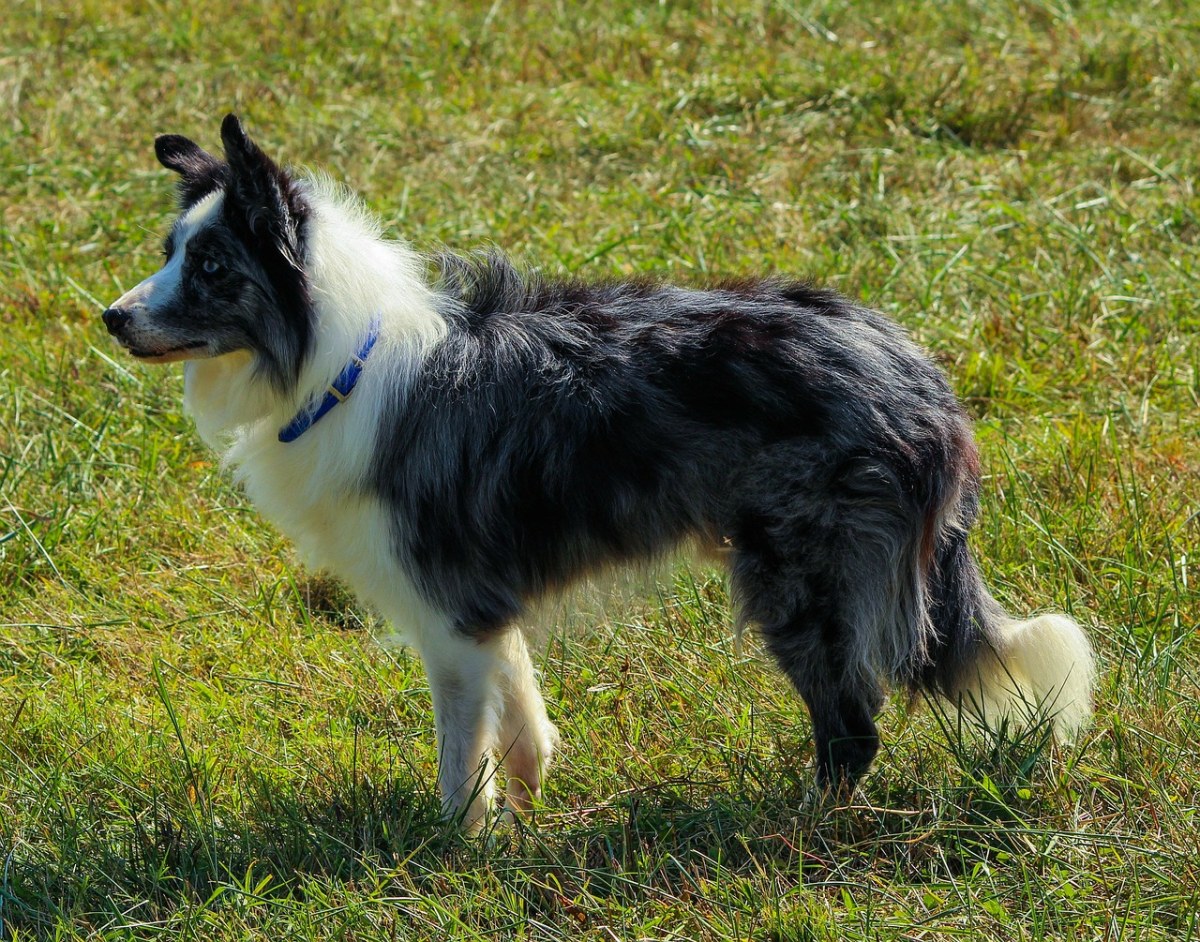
point(260, 193)
point(199, 171)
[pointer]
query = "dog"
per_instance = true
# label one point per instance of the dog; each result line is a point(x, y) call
point(458, 439)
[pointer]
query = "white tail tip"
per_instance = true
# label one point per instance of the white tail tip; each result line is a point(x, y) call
point(1043, 667)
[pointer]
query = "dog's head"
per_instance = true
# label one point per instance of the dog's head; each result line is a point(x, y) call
point(234, 274)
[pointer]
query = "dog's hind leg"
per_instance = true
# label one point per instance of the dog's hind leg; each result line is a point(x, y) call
point(817, 580)
point(527, 738)
point(807, 627)
point(842, 705)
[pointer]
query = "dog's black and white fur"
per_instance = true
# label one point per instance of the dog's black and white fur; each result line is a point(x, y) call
point(510, 434)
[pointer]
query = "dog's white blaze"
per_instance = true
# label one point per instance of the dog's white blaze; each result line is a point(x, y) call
point(156, 291)
point(161, 288)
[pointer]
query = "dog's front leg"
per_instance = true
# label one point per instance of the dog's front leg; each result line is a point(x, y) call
point(527, 738)
point(463, 676)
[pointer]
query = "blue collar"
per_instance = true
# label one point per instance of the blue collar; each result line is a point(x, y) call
point(336, 392)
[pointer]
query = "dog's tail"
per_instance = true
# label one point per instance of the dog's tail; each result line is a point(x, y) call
point(999, 670)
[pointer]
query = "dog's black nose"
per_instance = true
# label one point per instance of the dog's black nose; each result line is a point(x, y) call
point(115, 319)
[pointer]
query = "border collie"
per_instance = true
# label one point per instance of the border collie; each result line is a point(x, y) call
point(458, 439)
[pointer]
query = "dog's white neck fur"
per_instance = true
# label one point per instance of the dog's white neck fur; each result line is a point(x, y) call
point(354, 275)
point(315, 487)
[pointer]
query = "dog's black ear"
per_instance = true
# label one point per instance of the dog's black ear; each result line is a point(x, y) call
point(260, 192)
point(199, 171)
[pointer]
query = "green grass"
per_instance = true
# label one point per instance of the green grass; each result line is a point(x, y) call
point(199, 739)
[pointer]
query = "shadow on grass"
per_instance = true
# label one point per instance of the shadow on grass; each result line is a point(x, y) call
point(976, 802)
point(101, 861)
point(119, 856)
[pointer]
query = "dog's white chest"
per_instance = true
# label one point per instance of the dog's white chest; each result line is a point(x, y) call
point(307, 492)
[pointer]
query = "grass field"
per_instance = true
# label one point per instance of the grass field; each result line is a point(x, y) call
point(198, 739)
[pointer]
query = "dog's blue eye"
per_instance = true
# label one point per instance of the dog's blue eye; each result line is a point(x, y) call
point(209, 267)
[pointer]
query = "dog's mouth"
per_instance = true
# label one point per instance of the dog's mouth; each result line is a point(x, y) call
point(186, 351)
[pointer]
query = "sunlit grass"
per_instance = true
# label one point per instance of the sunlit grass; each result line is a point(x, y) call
point(200, 739)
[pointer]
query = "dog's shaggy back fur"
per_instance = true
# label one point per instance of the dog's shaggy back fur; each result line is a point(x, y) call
point(511, 434)
point(611, 421)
